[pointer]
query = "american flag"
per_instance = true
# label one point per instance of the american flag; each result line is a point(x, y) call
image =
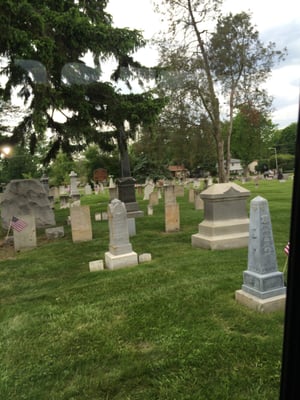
point(17, 224)
point(287, 249)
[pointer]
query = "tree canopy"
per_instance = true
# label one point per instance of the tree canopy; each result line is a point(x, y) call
point(220, 66)
point(43, 44)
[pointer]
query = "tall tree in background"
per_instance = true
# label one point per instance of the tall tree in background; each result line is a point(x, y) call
point(252, 135)
point(218, 67)
point(42, 45)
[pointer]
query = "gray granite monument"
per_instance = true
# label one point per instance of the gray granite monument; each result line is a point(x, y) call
point(226, 222)
point(263, 288)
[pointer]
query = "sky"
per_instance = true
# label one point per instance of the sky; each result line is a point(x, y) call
point(275, 21)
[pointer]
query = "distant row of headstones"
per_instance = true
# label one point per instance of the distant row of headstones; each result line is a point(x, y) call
point(225, 226)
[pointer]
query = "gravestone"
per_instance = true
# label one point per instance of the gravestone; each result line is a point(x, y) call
point(113, 192)
point(26, 238)
point(74, 192)
point(191, 195)
point(153, 199)
point(55, 233)
point(179, 190)
point(148, 189)
point(120, 252)
point(198, 202)
point(64, 201)
point(263, 288)
point(81, 224)
point(226, 223)
point(88, 189)
point(26, 197)
point(172, 218)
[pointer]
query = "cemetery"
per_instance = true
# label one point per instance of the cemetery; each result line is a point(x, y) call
point(115, 303)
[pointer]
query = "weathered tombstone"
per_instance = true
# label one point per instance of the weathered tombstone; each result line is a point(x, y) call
point(263, 288)
point(226, 223)
point(191, 195)
point(45, 182)
point(169, 193)
point(120, 252)
point(131, 226)
point(150, 209)
point(198, 202)
point(148, 189)
point(74, 192)
point(172, 218)
point(25, 238)
point(55, 233)
point(54, 191)
point(96, 265)
point(64, 201)
point(113, 192)
point(81, 224)
point(153, 199)
point(26, 197)
point(179, 190)
point(88, 189)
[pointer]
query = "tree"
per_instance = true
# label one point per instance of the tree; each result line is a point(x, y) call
point(286, 141)
point(220, 69)
point(44, 43)
point(252, 135)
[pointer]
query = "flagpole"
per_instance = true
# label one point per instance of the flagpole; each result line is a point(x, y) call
point(290, 370)
point(9, 228)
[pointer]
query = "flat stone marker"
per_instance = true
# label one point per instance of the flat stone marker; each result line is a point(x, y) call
point(81, 224)
point(96, 265)
point(55, 233)
point(26, 238)
point(120, 252)
point(263, 288)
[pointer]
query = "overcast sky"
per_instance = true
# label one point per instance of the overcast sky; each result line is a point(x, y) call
point(276, 21)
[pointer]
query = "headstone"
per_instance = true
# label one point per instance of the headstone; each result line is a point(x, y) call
point(74, 192)
point(145, 257)
point(263, 288)
point(81, 224)
point(45, 182)
point(113, 193)
point(150, 209)
point(55, 233)
point(131, 227)
point(179, 190)
point(88, 189)
point(226, 222)
point(54, 191)
point(64, 201)
point(63, 190)
point(198, 202)
point(26, 197)
point(169, 193)
point(120, 252)
point(148, 189)
point(191, 195)
point(96, 265)
point(25, 239)
point(98, 216)
point(172, 218)
point(153, 199)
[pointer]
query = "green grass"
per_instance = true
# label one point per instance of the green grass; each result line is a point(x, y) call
point(167, 329)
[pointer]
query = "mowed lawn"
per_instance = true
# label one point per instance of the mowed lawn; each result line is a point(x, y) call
point(166, 329)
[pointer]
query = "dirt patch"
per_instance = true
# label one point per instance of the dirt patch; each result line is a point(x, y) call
point(7, 250)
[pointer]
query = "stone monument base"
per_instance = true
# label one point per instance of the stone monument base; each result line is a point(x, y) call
point(120, 261)
point(220, 242)
point(276, 303)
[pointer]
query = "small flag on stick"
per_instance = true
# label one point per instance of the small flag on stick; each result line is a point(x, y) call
point(287, 249)
point(17, 224)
